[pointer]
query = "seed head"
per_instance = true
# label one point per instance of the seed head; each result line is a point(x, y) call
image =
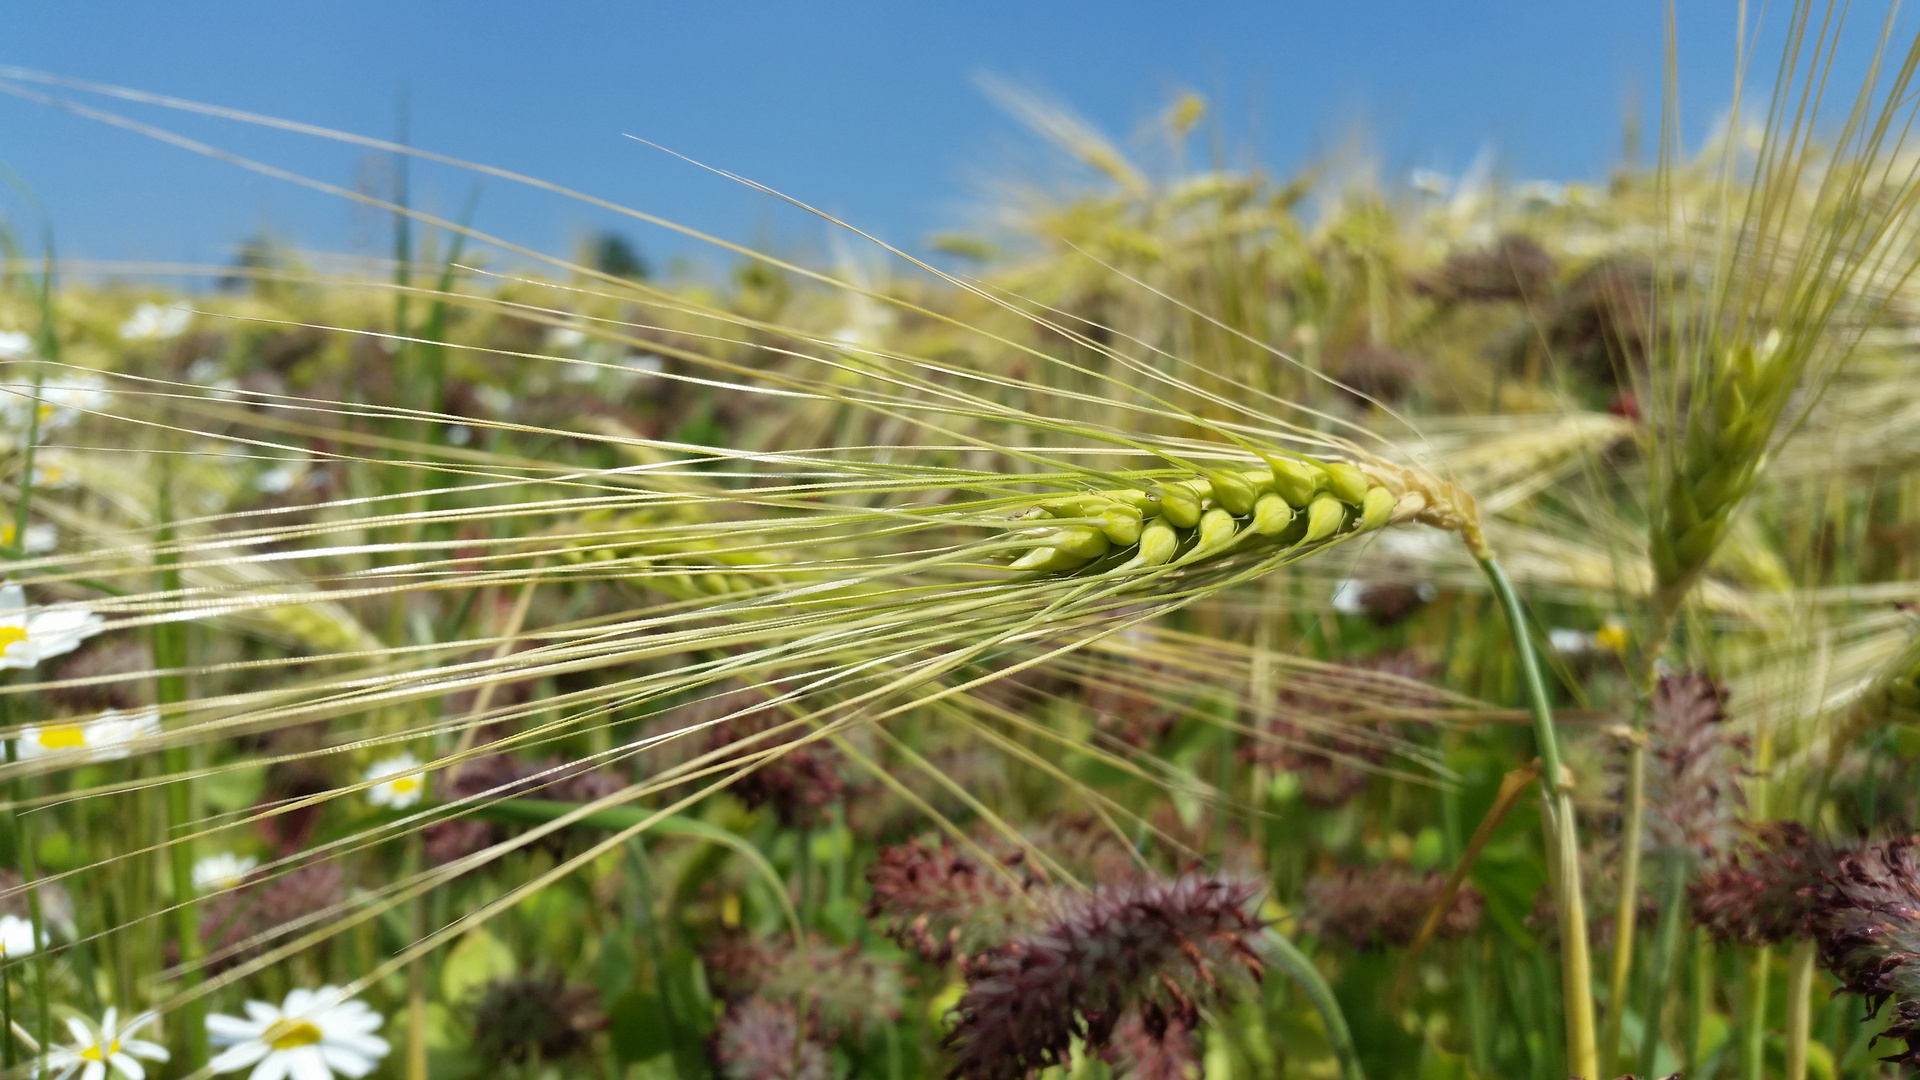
point(797, 785)
point(1159, 948)
point(841, 988)
point(1138, 1054)
point(939, 903)
point(1763, 892)
point(1866, 919)
point(1695, 764)
point(517, 1018)
point(755, 1042)
point(1386, 905)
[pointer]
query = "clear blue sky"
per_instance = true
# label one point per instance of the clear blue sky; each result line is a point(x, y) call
point(870, 110)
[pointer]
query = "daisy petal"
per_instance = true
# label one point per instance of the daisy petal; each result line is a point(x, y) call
point(271, 1067)
point(239, 1057)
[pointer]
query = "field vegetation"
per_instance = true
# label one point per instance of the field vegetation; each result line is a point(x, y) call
point(1209, 624)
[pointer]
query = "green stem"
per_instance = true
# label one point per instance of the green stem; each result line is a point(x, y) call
point(29, 873)
point(1753, 1067)
point(1673, 920)
point(1289, 957)
point(1799, 1008)
point(1473, 991)
point(417, 971)
point(1626, 912)
point(1702, 1000)
point(170, 657)
point(1576, 967)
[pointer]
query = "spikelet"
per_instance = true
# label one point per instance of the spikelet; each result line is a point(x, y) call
point(1721, 453)
point(1294, 503)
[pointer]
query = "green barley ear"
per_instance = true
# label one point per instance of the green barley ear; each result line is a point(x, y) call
point(1720, 456)
point(1227, 512)
point(1757, 312)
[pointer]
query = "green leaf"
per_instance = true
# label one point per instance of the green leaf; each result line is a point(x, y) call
point(637, 1026)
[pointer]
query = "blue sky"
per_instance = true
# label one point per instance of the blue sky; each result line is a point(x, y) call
point(869, 110)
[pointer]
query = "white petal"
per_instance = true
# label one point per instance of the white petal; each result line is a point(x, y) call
point(81, 1033)
point(145, 1049)
point(128, 1067)
point(227, 1030)
point(239, 1057)
point(307, 1064)
point(95, 1070)
point(140, 1021)
point(299, 1002)
point(271, 1067)
point(372, 1046)
point(346, 1062)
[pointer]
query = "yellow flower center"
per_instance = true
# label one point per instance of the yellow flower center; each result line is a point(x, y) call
point(97, 1052)
point(11, 634)
point(62, 737)
point(1612, 638)
point(404, 785)
point(290, 1034)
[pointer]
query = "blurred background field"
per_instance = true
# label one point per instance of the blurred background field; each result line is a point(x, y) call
point(592, 643)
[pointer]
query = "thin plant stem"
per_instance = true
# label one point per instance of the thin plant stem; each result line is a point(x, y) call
point(416, 974)
point(1633, 816)
point(1753, 1065)
point(1673, 920)
point(170, 688)
point(1626, 912)
point(6, 1009)
point(1576, 967)
point(1799, 1007)
point(1297, 966)
point(1702, 999)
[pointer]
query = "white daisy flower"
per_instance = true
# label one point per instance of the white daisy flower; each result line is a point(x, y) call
point(41, 538)
point(313, 1035)
point(30, 635)
point(565, 338)
point(109, 1048)
point(16, 937)
point(223, 871)
point(1349, 597)
point(107, 737)
point(1570, 642)
point(398, 781)
point(151, 322)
